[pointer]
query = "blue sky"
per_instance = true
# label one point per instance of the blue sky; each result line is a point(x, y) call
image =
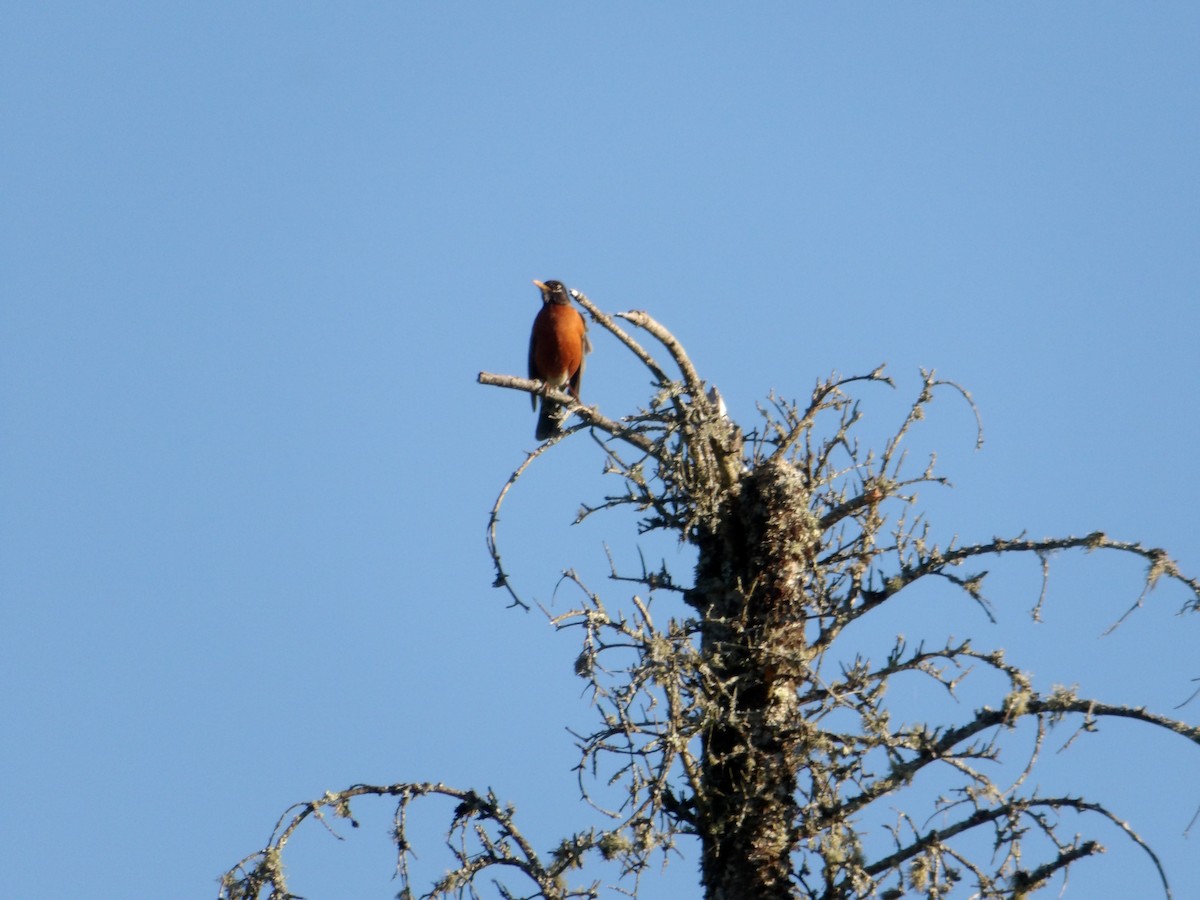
point(254, 255)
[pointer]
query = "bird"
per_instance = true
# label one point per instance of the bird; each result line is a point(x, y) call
point(557, 348)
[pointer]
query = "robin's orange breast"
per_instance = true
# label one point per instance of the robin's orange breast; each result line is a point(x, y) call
point(558, 345)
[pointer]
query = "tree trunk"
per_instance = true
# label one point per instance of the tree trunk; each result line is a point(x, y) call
point(749, 590)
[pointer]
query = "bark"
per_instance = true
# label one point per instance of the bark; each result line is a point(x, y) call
point(750, 576)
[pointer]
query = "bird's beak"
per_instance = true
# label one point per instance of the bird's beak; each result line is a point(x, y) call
point(541, 287)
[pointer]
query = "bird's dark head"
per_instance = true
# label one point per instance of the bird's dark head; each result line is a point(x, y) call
point(553, 291)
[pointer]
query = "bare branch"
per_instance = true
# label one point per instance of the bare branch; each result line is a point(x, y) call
point(691, 380)
point(936, 562)
point(590, 414)
point(475, 844)
point(624, 337)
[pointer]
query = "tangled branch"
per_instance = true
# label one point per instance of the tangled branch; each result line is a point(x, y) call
point(482, 836)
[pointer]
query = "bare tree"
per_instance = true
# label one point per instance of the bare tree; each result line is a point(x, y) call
point(744, 722)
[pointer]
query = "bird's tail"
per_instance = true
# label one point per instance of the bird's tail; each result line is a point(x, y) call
point(550, 419)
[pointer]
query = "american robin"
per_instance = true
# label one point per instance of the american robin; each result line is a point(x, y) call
point(556, 352)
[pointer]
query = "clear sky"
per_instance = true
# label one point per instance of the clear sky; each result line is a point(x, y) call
point(252, 257)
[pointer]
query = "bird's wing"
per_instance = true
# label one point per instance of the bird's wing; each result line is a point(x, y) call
point(585, 349)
